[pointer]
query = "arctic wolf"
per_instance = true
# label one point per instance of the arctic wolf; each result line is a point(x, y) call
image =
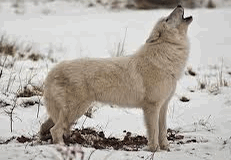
point(145, 80)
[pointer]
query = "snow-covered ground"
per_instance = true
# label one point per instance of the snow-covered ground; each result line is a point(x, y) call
point(66, 30)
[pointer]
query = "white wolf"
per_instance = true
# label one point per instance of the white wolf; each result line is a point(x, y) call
point(145, 80)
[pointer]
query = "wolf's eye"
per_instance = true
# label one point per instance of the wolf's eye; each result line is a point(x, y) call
point(166, 20)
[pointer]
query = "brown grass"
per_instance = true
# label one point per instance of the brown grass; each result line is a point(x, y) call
point(7, 48)
point(30, 91)
point(13, 49)
point(35, 57)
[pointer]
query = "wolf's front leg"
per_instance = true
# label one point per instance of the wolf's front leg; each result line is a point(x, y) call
point(151, 115)
point(163, 141)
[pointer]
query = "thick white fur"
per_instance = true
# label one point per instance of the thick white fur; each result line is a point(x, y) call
point(146, 80)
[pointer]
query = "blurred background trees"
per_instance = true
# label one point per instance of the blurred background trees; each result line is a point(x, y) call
point(152, 4)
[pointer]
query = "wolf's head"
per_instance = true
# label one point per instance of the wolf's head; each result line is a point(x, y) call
point(172, 27)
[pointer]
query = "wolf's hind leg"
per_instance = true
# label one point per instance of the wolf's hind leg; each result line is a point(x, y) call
point(66, 118)
point(60, 127)
point(75, 114)
point(45, 128)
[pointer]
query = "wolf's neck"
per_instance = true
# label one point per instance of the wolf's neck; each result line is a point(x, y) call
point(166, 56)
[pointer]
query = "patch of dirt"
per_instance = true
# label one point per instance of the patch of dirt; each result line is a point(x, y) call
point(23, 139)
point(173, 135)
point(29, 103)
point(7, 141)
point(88, 137)
point(190, 72)
point(91, 138)
point(184, 99)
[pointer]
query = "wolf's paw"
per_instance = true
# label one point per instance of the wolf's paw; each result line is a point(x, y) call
point(57, 141)
point(44, 137)
point(67, 135)
point(152, 148)
point(164, 145)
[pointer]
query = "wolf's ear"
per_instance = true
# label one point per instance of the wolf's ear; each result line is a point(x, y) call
point(153, 37)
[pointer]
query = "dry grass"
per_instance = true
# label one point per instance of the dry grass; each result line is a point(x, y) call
point(10, 48)
point(6, 47)
point(120, 50)
point(35, 57)
point(20, 51)
point(214, 85)
point(30, 90)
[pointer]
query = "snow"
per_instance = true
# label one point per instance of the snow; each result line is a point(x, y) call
point(67, 30)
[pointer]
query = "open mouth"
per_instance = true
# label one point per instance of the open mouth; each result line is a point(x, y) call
point(186, 19)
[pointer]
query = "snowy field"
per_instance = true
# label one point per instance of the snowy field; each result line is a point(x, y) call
point(43, 34)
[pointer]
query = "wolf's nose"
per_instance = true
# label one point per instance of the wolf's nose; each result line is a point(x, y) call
point(179, 6)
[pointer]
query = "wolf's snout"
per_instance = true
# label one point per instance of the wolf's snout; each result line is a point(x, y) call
point(180, 10)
